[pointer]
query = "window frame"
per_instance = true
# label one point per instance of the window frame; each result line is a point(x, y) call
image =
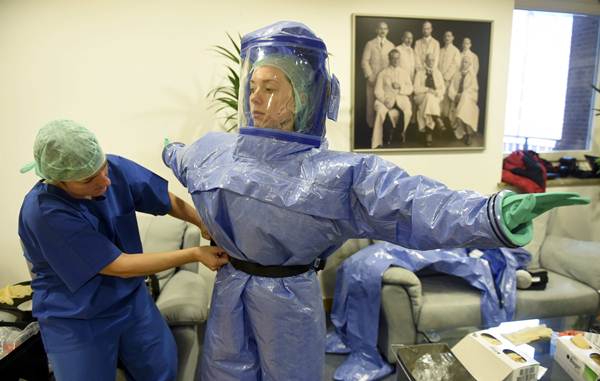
point(576, 7)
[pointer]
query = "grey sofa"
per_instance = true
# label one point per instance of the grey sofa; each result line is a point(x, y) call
point(418, 307)
point(185, 292)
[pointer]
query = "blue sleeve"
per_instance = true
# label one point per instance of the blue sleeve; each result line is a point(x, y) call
point(71, 246)
point(150, 192)
point(172, 156)
point(418, 212)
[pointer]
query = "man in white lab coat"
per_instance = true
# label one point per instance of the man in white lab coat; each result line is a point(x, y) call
point(463, 94)
point(375, 59)
point(407, 54)
point(467, 52)
point(429, 90)
point(449, 65)
point(392, 88)
point(427, 45)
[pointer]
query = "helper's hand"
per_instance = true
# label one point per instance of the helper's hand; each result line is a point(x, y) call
point(522, 208)
point(212, 257)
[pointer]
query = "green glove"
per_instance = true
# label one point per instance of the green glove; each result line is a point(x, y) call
point(519, 209)
point(166, 142)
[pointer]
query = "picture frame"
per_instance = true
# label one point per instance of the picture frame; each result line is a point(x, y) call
point(447, 103)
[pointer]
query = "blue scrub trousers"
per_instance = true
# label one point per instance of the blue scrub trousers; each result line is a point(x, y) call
point(145, 346)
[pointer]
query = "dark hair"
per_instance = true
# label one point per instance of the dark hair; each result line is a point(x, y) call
point(392, 52)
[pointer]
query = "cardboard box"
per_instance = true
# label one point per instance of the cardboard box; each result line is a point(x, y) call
point(582, 364)
point(488, 356)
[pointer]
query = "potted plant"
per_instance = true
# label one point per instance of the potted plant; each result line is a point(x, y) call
point(225, 97)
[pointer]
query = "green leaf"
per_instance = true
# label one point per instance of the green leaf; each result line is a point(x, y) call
point(225, 97)
point(235, 45)
point(227, 54)
point(232, 103)
point(220, 107)
point(234, 77)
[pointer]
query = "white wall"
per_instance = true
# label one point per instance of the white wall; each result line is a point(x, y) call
point(137, 71)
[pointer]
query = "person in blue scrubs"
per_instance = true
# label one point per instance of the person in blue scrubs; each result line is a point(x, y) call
point(278, 202)
point(79, 232)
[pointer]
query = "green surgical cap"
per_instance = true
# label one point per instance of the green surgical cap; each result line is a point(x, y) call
point(300, 75)
point(66, 151)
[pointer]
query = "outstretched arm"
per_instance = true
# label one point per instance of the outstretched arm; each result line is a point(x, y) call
point(421, 213)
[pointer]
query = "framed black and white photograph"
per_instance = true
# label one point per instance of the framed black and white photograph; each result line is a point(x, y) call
point(419, 83)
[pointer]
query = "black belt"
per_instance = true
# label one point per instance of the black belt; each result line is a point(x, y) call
point(275, 271)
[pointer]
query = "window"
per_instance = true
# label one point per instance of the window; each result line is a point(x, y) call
point(553, 63)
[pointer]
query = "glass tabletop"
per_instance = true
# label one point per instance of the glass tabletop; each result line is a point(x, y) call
point(540, 350)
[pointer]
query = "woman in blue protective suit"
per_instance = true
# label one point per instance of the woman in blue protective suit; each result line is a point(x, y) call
point(278, 201)
point(80, 235)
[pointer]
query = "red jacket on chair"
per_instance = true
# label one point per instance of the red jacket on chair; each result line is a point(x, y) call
point(525, 170)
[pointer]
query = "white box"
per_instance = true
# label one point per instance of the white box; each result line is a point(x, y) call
point(488, 361)
point(578, 362)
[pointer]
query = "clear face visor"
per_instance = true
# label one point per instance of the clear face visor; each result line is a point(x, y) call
point(286, 88)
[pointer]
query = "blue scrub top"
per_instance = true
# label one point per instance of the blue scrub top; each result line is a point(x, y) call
point(68, 241)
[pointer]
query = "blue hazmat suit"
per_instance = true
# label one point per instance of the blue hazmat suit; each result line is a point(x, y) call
point(274, 195)
point(275, 202)
point(89, 320)
point(357, 298)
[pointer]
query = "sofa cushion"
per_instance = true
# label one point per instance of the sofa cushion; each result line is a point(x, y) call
point(448, 302)
point(573, 258)
point(563, 296)
point(579, 222)
point(184, 299)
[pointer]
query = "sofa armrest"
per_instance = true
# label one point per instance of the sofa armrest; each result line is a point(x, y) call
point(402, 277)
point(572, 258)
point(185, 299)
point(328, 275)
point(191, 237)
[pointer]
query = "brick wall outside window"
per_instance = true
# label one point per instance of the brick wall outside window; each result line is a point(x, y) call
point(582, 73)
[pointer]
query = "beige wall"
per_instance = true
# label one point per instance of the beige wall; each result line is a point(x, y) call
point(138, 71)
